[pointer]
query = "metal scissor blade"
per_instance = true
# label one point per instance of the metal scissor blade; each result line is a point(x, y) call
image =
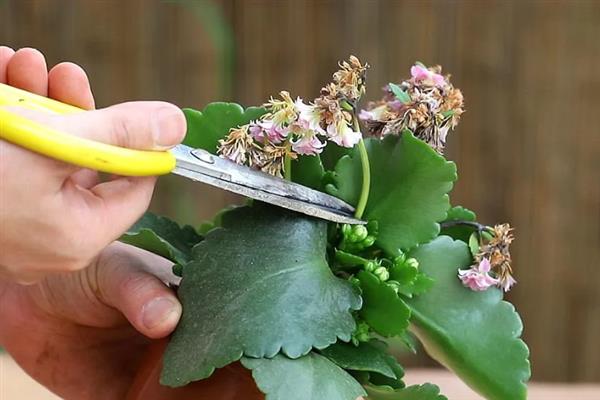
point(201, 166)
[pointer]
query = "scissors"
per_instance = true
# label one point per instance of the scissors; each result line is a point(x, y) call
point(196, 164)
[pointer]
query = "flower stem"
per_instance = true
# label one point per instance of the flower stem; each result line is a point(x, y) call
point(287, 164)
point(476, 225)
point(366, 175)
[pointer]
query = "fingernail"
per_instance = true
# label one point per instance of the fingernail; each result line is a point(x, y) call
point(168, 127)
point(159, 311)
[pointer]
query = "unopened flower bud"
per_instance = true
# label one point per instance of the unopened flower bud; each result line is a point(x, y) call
point(361, 334)
point(363, 337)
point(412, 262)
point(368, 242)
point(399, 260)
point(371, 266)
point(394, 285)
point(353, 280)
point(359, 233)
point(346, 106)
point(382, 273)
point(346, 229)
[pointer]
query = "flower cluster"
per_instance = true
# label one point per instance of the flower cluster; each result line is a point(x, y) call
point(493, 258)
point(291, 127)
point(427, 104)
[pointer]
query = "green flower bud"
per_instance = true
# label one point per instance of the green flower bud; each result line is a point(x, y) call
point(346, 229)
point(362, 333)
point(371, 266)
point(382, 273)
point(353, 280)
point(412, 262)
point(363, 337)
point(394, 285)
point(399, 260)
point(359, 233)
point(368, 242)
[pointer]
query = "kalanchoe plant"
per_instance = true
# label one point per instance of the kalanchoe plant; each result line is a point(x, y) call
point(308, 306)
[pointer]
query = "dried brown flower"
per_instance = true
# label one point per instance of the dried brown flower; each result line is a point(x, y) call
point(496, 250)
point(434, 107)
point(350, 79)
point(291, 127)
point(237, 145)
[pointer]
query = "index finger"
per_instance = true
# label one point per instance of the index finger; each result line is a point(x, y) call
point(6, 54)
point(68, 82)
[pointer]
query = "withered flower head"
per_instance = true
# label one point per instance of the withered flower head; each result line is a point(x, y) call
point(237, 145)
point(350, 79)
point(282, 112)
point(427, 104)
point(291, 127)
point(271, 159)
point(496, 250)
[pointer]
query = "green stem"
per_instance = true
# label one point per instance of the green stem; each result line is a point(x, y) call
point(287, 164)
point(366, 176)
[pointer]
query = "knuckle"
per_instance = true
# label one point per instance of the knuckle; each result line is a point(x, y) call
point(122, 131)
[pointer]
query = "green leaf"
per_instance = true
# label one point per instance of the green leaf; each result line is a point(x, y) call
point(205, 128)
point(416, 392)
point(448, 113)
point(410, 280)
point(331, 155)
point(217, 219)
point(258, 286)
point(403, 273)
point(308, 171)
point(460, 213)
point(420, 285)
point(312, 377)
point(409, 186)
point(367, 356)
point(475, 334)
point(399, 93)
point(162, 236)
point(347, 177)
point(474, 243)
point(383, 310)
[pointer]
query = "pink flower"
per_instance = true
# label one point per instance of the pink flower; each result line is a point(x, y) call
point(374, 114)
point(365, 115)
point(477, 277)
point(308, 144)
point(342, 134)
point(420, 73)
point(257, 132)
point(268, 130)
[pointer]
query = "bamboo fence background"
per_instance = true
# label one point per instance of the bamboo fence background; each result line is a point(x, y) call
point(527, 149)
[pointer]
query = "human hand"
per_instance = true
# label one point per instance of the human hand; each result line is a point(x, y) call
point(58, 217)
point(83, 334)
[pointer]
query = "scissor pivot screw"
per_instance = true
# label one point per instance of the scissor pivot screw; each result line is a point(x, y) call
point(203, 156)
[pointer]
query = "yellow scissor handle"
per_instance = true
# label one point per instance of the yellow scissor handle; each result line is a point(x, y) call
point(69, 148)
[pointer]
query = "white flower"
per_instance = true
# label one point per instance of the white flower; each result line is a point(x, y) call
point(342, 134)
point(309, 116)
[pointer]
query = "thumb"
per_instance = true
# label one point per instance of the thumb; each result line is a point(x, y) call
point(145, 125)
